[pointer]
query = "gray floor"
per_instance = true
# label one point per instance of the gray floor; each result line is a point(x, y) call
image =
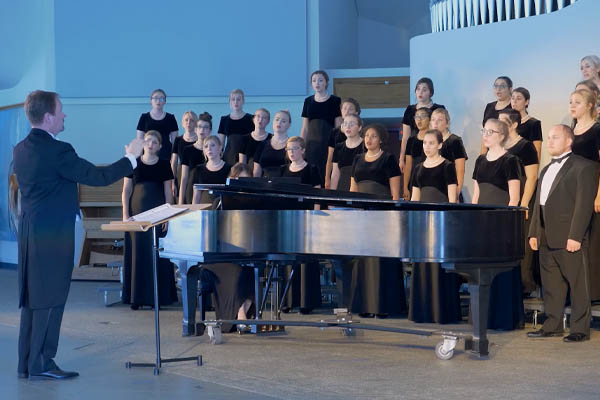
point(305, 363)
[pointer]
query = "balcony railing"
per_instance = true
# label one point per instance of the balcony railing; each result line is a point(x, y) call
point(455, 14)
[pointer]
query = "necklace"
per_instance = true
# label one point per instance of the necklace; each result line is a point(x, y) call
point(214, 165)
point(585, 127)
point(295, 167)
point(277, 142)
point(433, 162)
point(150, 160)
point(371, 156)
point(512, 142)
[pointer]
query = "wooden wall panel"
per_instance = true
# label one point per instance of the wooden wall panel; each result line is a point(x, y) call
point(377, 92)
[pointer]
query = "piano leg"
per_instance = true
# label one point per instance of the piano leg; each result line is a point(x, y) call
point(189, 294)
point(480, 279)
point(480, 300)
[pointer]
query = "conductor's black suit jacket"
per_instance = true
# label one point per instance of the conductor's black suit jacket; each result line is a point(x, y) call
point(48, 171)
point(570, 203)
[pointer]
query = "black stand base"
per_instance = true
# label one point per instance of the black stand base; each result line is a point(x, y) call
point(198, 360)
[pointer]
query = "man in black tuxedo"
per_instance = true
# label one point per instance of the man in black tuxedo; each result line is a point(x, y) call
point(559, 228)
point(48, 171)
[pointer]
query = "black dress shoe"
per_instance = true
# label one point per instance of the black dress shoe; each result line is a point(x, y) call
point(542, 334)
point(576, 337)
point(54, 374)
point(22, 375)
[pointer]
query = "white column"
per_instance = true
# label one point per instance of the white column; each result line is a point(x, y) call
point(549, 6)
point(476, 19)
point(461, 13)
point(518, 4)
point(499, 9)
point(469, 12)
point(455, 14)
point(482, 13)
point(538, 4)
point(491, 8)
point(508, 8)
point(561, 4)
point(527, 4)
point(448, 4)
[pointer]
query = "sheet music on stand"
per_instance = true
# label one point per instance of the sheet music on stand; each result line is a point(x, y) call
point(157, 214)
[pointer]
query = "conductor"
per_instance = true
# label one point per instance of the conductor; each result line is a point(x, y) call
point(48, 171)
point(559, 229)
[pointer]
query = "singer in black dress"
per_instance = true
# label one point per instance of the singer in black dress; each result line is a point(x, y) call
point(320, 114)
point(377, 285)
point(434, 293)
point(497, 181)
point(527, 154)
point(236, 127)
point(191, 158)
point(159, 120)
point(344, 157)
point(587, 144)
point(145, 189)
point(270, 159)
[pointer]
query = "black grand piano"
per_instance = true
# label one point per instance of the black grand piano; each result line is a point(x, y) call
point(260, 220)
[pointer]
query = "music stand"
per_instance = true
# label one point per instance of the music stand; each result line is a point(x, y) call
point(144, 226)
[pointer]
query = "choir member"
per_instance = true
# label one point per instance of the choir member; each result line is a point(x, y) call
point(193, 156)
point(559, 229)
point(452, 148)
point(592, 87)
point(231, 284)
point(496, 181)
point(587, 144)
point(261, 119)
point(270, 154)
point(320, 114)
point(149, 186)
point(414, 148)
point(423, 91)
point(529, 128)
point(188, 138)
point(298, 167)
point(236, 127)
point(590, 68)
point(159, 120)
point(434, 293)
point(349, 106)
point(305, 289)
point(525, 151)
point(377, 285)
point(214, 171)
point(346, 151)
point(502, 89)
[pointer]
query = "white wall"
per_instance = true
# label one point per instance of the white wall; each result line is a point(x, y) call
point(540, 53)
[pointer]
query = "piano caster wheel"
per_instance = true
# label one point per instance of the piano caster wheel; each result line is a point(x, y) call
point(199, 361)
point(128, 364)
point(215, 336)
point(156, 371)
point(444, 350)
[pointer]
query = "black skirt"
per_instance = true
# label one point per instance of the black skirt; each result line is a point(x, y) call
point(138, 278)
point(317, 144)
point(231, 285)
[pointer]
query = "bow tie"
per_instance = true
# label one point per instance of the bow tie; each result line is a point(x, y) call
point(560, 159)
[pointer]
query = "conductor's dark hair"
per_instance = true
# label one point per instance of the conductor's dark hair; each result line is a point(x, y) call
point(506, 79)
point(381, 132)
point(353, 101)
point(206, 117)
point(438, 135)
point(38, 103)
point(513, 115)
point(426, 81)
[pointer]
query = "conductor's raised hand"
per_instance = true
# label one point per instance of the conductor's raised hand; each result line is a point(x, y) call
point(135, 147)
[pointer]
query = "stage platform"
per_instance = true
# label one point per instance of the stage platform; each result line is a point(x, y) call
point(307, 363)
